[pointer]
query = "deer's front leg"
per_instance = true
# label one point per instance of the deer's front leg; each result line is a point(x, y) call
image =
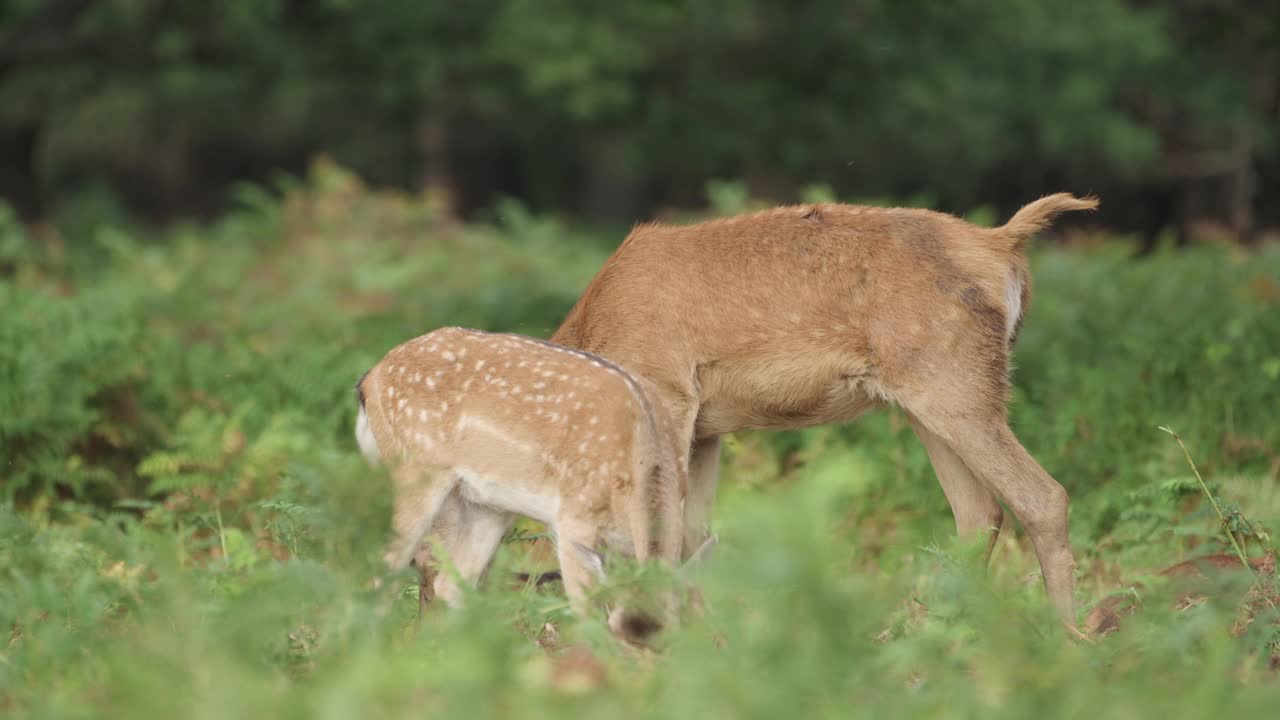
point(703, 456)
point(704, 468)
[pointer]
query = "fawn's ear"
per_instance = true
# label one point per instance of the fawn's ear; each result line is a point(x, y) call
point(703, 552)
point(590, 559)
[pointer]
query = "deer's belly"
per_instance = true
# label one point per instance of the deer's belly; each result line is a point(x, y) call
point(720, 418)
point(780, 395)
point(492, 492)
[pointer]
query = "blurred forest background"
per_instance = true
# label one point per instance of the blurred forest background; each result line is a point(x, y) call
point(613, 111)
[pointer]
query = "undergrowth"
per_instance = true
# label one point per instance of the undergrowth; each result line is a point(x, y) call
point(186, 525)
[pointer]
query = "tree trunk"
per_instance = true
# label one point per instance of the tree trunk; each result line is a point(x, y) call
point(433, 148)
point(1244, 180)
point(1243, 184)
point(19, 184)
point(612, 186)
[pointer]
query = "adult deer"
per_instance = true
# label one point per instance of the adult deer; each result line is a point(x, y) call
point(813, 314)
point(477, 428)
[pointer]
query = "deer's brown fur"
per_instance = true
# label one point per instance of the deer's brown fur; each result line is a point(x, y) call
point(811, 314)
point(478, 428)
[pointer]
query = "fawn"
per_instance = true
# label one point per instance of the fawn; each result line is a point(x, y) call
point(477, 428)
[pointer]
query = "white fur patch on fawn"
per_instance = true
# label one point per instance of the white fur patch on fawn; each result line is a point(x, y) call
point(364, 437)
point(503, 495)
point(1012, 303)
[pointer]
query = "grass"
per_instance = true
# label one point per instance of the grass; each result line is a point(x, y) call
point(187, 526)
point(1235, 545)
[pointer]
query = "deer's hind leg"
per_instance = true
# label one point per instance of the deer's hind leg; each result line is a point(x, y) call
point(956, 389)
point(976, 430)
point(419, 495)
point(470, 537)
point(973, 504)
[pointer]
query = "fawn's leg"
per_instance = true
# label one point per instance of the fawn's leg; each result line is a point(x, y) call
point(419, 494)
point(471, 544)
point(424, 560)
point(580, 565)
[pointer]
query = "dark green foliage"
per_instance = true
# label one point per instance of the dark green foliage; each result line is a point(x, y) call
point(620, 107)
point(67, 365)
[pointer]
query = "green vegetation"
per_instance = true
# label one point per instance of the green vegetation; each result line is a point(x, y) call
point(187, 528)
